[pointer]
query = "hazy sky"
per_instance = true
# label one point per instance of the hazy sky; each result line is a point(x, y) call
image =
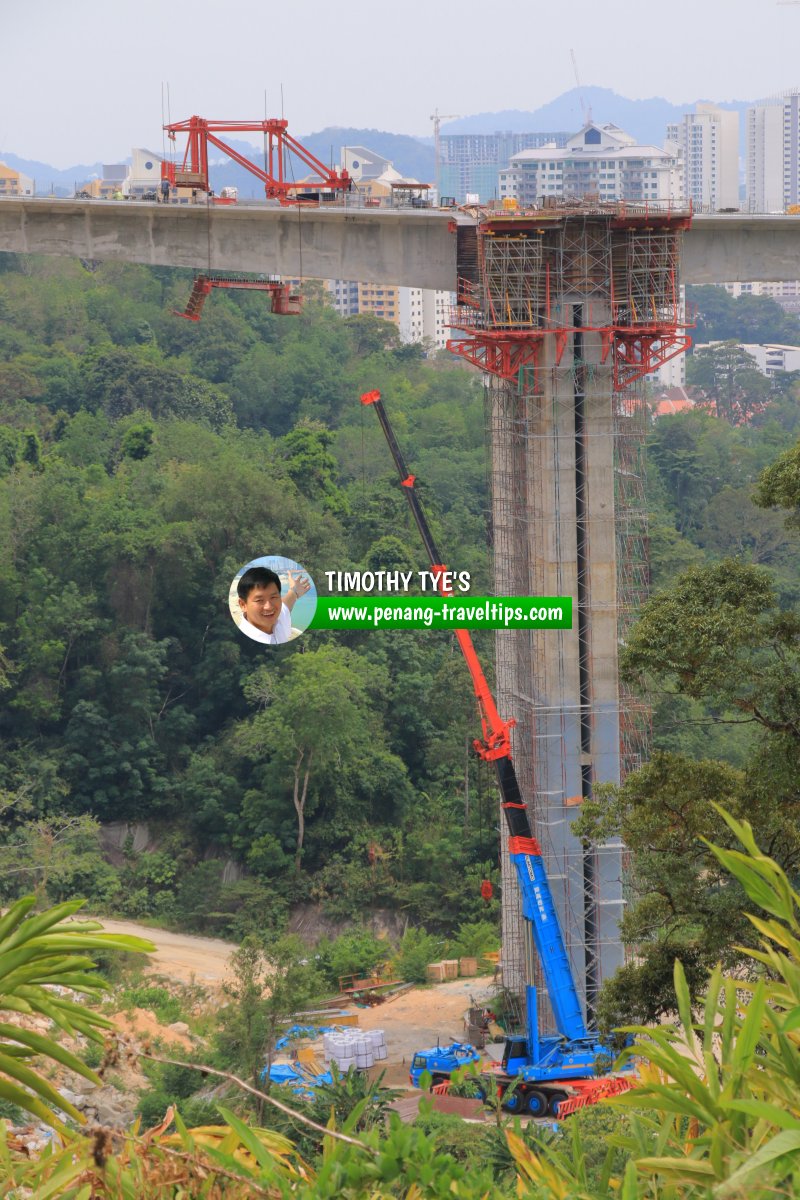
point(81, 80)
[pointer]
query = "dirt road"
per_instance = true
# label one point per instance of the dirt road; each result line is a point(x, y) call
point(180, 956)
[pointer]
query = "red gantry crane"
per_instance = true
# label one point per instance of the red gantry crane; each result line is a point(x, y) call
point(278, 142)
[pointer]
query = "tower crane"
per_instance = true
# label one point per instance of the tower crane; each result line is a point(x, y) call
point(437, 119)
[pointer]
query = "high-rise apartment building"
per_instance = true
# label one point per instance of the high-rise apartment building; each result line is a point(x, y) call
point(773, 153)
point(601, 161)
point(420, 314)
point(424, 316)
point(470, 162)
point(708, 145)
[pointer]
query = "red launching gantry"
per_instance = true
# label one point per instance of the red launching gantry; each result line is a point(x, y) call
point(193, 171)
point(283, 300)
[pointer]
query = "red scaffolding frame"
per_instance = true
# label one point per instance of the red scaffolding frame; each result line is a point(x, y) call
point(506, 312)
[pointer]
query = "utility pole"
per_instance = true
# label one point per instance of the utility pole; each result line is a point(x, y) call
point(437, 119)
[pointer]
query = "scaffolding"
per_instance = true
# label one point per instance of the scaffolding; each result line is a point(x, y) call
point(566, 311)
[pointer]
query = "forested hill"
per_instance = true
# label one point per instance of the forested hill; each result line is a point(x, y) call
point(143, 460)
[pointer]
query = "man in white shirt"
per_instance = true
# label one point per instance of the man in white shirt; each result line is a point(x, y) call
point(266, 616)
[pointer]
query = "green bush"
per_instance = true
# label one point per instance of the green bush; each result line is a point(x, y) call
point(356, 952)
point(179, 1082)
point(166, 1006)
point(152, 1106)
point(474, 940)
point(417, 949)
point(92, 1055)
point(10, 1112)
point(199, 1111)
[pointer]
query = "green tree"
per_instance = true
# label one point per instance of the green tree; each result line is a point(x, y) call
point(718, 643)
point(56, 857)
point(779, 485)
point(311, 466)
point(730, 379)
point(313, 724)
point(270, 981)
point(718, 635)
point(137, 442)
point(748, 319)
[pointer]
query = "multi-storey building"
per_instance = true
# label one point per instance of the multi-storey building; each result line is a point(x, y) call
point(144, 174)
point(771, 358)
point(424, 315)
point(109, 185)
point(381, 299)
point(601, 161)
point(420, 314)
point(14, 183)
point(345, 296)
point(469, 162)
point(787, 289)
point(708, 145)
point(773, 153)
point(785, 292)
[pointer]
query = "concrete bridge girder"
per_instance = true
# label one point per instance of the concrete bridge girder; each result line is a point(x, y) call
point(413, 249)
point(404, 247)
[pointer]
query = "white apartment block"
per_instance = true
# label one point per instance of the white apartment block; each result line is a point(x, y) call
point(420, 314)
point(785, 289)
point(773, 153)
point(345, 296)
point(600, 161)
point(424, 315)
point(708, 145)
point(671, 374)
point(771, 358)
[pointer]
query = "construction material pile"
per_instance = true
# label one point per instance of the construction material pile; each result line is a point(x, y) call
point(359, 1048)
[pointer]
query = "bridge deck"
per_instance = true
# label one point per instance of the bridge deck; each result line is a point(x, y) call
point(409, 247)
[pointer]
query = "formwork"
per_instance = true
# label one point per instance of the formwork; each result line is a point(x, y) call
point(566, 311)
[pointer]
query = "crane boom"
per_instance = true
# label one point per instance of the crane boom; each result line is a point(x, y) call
point(525, 853)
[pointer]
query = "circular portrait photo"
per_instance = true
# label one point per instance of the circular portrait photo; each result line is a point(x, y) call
point(272, 599)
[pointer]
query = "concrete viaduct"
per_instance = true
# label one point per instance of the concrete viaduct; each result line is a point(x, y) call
point(415, 248)
point(568, 514)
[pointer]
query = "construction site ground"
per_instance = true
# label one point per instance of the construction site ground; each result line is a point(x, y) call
point(420, 1016)
point(413, 1021)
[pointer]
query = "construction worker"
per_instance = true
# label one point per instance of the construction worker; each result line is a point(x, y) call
point(165, 191)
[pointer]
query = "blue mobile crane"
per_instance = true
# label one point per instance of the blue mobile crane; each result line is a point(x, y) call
point(542, 1067)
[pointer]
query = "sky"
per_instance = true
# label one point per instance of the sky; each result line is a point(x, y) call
point(82, 80)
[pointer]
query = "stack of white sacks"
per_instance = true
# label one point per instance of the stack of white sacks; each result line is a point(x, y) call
point(359, 1048)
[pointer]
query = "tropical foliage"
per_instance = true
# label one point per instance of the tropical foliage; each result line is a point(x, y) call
point(38, 951)
point(715, 1116)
